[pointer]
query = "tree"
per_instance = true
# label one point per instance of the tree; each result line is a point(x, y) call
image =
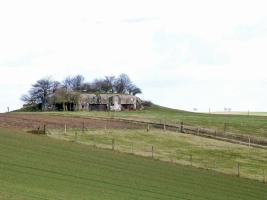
point(40, 92)
point(77, 82)
point(67, 83)
point(134, 90)
point(73, 83)
point(109, 84)
point(122, 84)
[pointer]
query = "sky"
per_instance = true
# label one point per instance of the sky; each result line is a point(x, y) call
point(208, 54)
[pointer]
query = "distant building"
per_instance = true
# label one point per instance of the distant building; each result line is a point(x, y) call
point(98, 102)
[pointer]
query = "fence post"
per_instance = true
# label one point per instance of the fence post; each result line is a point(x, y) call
point(44, 129)
point(182, 127)
point(164, 126)
point(238, 169)
point(147, 129)
point(75, 136)
point(191, 159)
point(83, 127)
point(113, 144)
point(94, 141)
point(249, 141)
point(197, 131)
point(152, 152)
point(65, 132)
point(264, 178)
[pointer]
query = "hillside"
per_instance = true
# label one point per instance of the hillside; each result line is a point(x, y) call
point(252, 125)
point(37, 167)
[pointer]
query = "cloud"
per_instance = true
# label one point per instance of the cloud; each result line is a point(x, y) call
point(196, 53)
point(183, 49)
point(138, 20)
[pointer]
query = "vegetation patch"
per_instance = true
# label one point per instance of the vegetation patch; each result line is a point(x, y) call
point(234, 159)
point(38, 167)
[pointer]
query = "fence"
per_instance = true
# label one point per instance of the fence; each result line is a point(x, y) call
point(227, 132)
point(168, 154)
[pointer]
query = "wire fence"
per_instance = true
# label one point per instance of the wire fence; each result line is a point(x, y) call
point(225, 161)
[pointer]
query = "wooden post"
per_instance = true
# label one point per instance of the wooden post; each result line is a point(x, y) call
point(152, 152)
point(164, 126)
point(249, 141)
point(113, 144)
point(238, 169)
point(224, 127)
point(94, 141)
point(75, 136)
point(147, 129)
point(83, 127)
point(264, 178)
point(44, 129)
point(197, 131)
point(182, 127)
point(65, 132)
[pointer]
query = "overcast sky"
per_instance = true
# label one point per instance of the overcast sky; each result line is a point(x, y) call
point(183, 54)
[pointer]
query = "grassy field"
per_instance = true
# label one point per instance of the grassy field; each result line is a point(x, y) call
point(242, 113)
point(240, 124)
point(176, 147)
point(38, 167)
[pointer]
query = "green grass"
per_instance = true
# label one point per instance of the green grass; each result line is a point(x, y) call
point(238, 124)
point(38, 167)
point(176, 147)
point(242, 113)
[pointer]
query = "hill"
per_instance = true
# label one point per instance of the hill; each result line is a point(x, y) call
point(252, 125)
point(38, 167)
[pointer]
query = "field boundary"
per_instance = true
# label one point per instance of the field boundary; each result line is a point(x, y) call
point(193, 130)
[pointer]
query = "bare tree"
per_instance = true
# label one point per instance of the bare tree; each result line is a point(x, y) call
point(77, 82)
point(40, 92)
point(122, 84)
point(134, 90)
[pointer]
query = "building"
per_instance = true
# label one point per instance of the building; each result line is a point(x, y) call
point(95, 102)
point(106, 102)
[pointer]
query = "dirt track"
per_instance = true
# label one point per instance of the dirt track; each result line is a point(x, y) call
point(32, 121)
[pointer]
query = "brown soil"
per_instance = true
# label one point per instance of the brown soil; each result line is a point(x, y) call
point(33, 121)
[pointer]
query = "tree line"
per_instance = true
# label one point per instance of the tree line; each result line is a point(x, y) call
point(46, 90)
